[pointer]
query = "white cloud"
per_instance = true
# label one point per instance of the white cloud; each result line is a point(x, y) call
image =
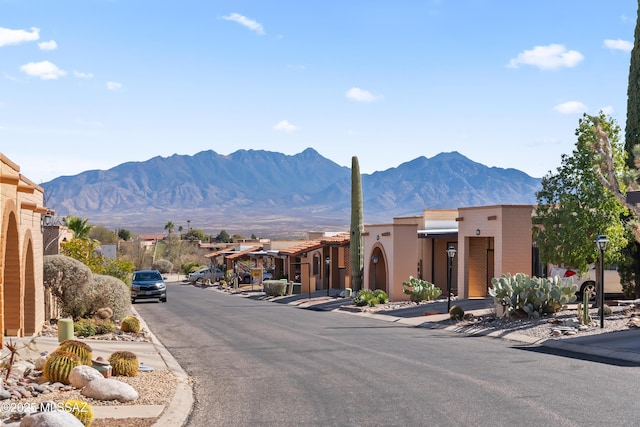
point(547, 57)
point(114, 85)
point(361, 95)
point(570, 107)
point(50, 45)
point(246, 22)
point(45, 70)
point(285, 126)
point(608, 110)
point(619, 44)
point(9, 37)
point(82, 75)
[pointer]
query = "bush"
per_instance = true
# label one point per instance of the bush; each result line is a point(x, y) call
point(274, 288)
point(531, 296)
point(163, 266)
point(190, 267)
point(420, 290)
point(68, 280)
point(370, 298)
point(107, 291)
point(85, 327)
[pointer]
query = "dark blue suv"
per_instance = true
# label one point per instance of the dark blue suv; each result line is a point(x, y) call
point(148, 284)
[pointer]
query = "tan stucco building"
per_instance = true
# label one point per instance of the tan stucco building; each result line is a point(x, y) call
point(489, 241)
point(21, 290)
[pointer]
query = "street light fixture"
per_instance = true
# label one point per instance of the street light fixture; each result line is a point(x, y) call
point(327, 261)
point(601, 242)
point(451, 253)
point(375, 268)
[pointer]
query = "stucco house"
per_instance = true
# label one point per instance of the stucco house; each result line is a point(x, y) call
point(24, 216)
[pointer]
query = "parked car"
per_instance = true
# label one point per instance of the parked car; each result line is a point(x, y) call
point(213, 274)
point(148, 284)
point(246, 277)
point(587, 281)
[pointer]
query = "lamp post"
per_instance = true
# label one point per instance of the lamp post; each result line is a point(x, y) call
point(375, 267)
point(451, 252)
point(327, 262)
point(601, 242)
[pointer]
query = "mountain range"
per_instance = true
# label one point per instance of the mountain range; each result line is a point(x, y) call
point(275, 195)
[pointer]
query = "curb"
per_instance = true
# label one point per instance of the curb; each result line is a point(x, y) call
point(178, 410)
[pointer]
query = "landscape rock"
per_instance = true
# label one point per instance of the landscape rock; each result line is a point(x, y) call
point(81, 375)
point(634, 322)
point(110, 389)
point(51, 419)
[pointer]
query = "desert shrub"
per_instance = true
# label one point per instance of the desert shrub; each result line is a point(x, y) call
point(190, 267)
point(68, 280)
point(420, 290)
point(119, 269)
point(163, 266)
point(85, 327)
point(104, 326)
point(107, 291)
point(370, 298)
point(274, 287)
point(522, 295)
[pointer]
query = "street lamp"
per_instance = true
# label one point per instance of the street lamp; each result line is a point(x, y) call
point(601, 242)
point(451, 252)
point(375, 267)
point(327, 261)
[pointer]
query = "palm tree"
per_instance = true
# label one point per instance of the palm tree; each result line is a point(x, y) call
point(79, 226)
point(169, 226)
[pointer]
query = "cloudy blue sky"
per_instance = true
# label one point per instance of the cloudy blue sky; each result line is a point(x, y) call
point(91, 84)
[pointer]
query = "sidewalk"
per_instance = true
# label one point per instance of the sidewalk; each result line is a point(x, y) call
point(619, 345)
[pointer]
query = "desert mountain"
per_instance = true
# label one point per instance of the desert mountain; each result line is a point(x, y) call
point(271, 194)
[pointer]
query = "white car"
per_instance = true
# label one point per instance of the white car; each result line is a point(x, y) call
point(587, 281)
point(212, 274)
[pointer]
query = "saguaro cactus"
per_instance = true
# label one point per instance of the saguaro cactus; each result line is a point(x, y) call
point(356, 240)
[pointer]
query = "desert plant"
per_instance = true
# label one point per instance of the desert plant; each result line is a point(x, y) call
point(107, 291)
point(583, 310)
point(79, 348)
point(67, 279)
point(79, 409)
point(58, 366)
point(371, 298)
point(163, 266)
point(104, 326)
point(456, 313)
point(124, 363)
point(190, 267)
point(130, 324)
point(531, 296)
point(104, 313)
point(357, 239)
point(85, 327)
point(274, 287)
point(381, 295)
point(420, 290)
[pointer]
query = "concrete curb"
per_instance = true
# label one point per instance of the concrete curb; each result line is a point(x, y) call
point(178, 410)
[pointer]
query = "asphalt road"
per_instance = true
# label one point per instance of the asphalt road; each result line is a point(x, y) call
point(259, 363)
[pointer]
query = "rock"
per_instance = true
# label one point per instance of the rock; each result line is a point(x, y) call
point(40, 362)
point(4, 394)
point(634, 322)
point(110, 389)
point(583, 328)
point(51, 419)
point(81, 375)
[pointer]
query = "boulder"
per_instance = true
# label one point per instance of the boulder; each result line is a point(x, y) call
point(81, 375)
point(110, 389)
point(51, 419)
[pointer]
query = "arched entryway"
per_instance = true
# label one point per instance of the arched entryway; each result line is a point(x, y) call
point(378, 270)
point(11, 309)
point(29, 313)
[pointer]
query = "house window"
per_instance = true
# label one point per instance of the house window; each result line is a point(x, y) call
point(316, 265)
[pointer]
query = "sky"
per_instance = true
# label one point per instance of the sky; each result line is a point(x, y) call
point(93, 84)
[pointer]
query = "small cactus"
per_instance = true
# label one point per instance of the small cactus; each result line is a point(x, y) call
point(130, 324)
point(104, 313)
point(79, 348)
point(58, 366)
point(124, 363)
point(456, 312)
point(79, 409)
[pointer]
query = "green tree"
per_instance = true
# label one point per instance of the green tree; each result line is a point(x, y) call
point(103, 235)
point(85, 251)
point(196, 234)
point(79, 226)
point(223, 237)
point(573, 206)
point(169, 226)
point(124, 234)
point(632, 128)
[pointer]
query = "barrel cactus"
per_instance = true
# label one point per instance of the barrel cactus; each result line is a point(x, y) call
point(58, 366)
point(130, 324)
point(79, 409)
point(456, 312)
point(79, 348)
point(124, 363)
